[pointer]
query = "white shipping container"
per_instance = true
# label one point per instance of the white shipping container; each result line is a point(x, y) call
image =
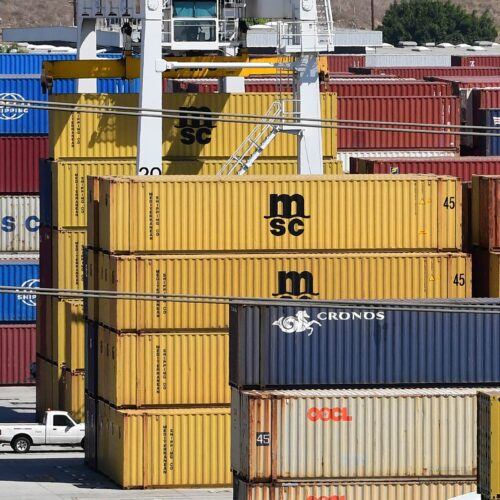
point(349, 434)
point(20, 223)
point(407, 60)
point(356, 490)
point(345, 156)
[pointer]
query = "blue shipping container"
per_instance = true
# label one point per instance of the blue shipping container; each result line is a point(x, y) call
point(31, 63)
point(377, 344)
point(489, 145)
point(19, 307)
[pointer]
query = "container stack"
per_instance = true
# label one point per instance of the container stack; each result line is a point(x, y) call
point(235, 237)
point(334, 438)
point(486, 235)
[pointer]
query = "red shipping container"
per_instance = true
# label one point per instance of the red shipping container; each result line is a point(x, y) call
point(463, 167)
point(422, 72)
point(475, 61)
point(486, 212)
point(486, 98)
point(467, 82)
point(340, 64)
point(426, 110)
point(17, 352)
point(368, 88)
point(19, 163)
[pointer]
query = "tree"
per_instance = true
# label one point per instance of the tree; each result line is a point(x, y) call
point(435, 21)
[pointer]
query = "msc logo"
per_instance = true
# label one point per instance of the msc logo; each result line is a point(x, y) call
point(293, 285)
point(29, 299)
point(31, 224)
point(297, 324)
point(329, 415)
point(195, 129)
point(9, 112)
point(286, 214)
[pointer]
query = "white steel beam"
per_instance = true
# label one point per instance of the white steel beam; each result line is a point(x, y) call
point(86, 48)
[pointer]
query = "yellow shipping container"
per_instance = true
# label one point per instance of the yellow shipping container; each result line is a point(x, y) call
point(44, 345)
point(164, 369)
point(318, 276)
point(75, 335)
point(168, 448)
point(67, 255)
point(488, 446)
point(94, 135)
point(179, 214)
point(58, 329)
point(48, 381)
point(74, 394)
point(69, 180)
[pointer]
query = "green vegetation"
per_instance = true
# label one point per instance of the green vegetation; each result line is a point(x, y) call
point(435, 21)
point(7, 48)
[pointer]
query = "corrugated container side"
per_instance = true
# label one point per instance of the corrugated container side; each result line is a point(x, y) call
point(408, 60)
point(197, 441)
point(21, 270)
point(420, 73)
point(488, 444)
point(29, 64)
point(89, 135)
point(311, 435)
point(476, 61)
point(485, 195)
point(91, 354)
point(359, 490)
point(488, 145)
point(286, 213)
point(90, 432)
point(426, 110)
point(299, 276)
point(69, 180)
point(20, 217)
point(491, 265)
point(74, 394)
point(67, 258)
point(17, 353)
point(487, 98)
point(43, 326)
point(341, 64)
point(45, 193)
point(75, 335)
point(458, 347)
point(45, 257)
point(19, 163)
point(58, 330)
point(463, 167)
point(48, 387)
point(168, 369)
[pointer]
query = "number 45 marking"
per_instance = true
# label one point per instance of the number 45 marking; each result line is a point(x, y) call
point(263, 438)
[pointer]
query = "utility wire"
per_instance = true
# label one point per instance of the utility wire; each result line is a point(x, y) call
point(456, 130)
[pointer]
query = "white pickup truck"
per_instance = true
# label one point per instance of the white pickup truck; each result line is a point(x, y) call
point(58, 429)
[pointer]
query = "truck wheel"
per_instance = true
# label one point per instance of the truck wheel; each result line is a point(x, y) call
point(82, 444)
point(21, 444)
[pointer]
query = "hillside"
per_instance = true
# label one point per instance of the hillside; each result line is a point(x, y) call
point(353, 14)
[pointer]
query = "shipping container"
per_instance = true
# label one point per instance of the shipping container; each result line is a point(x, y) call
point(92, 135)
point(485, 195)
point(69, 181)
point(75, 335)
point(488, 145)
point(377, 60)
point(488, 273)
point(45, 184)
point(91, 353)
point(67, 258)
point(44, 326)
point(90, 447)
point(487, 98)
point(354, 434)
point(481, 272)
point(48, 384)
point(30, 63)
point(19, 163)
point(17, 353)
point(58, 331)
point(420, 73)
point(295, 213)
point(400, 343)
point(488, 444)
point(463, 167)
point(299, 276)
point(74, 394)
point(20, 218)
point(341, 64)
point(346, 156)
point(164, 369)
point(467, 82)
point(413, 110)
point(178, 448)
point(19, 270)
point(358, 490)
point(476, 61)
point(45, 244)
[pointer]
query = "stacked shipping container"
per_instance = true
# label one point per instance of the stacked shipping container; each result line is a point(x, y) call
point(179, 236)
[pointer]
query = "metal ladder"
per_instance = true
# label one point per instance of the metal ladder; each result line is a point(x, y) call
point(256, 142)
point(325, 22)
